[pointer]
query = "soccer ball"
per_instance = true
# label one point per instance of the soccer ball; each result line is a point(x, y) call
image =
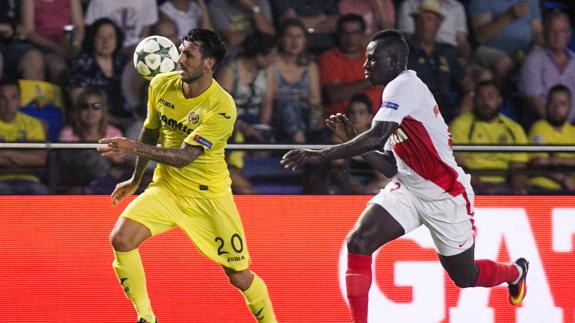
point(155, 55)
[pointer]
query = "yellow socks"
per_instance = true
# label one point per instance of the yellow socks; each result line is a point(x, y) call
point(130, 272)
point(259, 301)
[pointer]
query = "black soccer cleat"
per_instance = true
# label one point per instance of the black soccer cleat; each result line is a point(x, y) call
point(518, 291)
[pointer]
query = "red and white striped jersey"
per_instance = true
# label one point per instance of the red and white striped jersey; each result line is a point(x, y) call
point(422, 143)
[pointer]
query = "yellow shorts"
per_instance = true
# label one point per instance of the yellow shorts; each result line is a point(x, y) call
point(214, 225)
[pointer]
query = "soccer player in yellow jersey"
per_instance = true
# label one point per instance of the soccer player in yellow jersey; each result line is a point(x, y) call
point(193, 117)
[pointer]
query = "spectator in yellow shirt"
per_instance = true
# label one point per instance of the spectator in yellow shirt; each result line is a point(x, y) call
point(15, 174)
point(485, 125)
point(554, 130)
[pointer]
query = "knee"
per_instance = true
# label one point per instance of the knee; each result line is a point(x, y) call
point(358, 244)
point(121, 241)
point(240, 279)
point(463, 281)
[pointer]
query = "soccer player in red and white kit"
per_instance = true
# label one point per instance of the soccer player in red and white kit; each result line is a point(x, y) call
point(410, 143)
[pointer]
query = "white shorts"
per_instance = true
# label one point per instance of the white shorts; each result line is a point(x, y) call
point(450, 221)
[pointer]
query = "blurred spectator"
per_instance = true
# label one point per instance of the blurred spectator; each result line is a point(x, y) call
point(377, 14)
point(554, 130)
point(319, 19)
point(186, 14)
point(86, 171)
point(435, 63)
point(168, 29)
point(248, 80)
point(297, 98)
point(485, 125)
point(134, 17)
point(505, 30)
point(100, 65)
point(235, 161)
point(472, 75)
point(453, 29)
point(354, 175)
point(135, 87)
point(234, 20)
point(549, 65)
point(56, 27)
point(16, 166)
point(341, 68)
point(20, 59)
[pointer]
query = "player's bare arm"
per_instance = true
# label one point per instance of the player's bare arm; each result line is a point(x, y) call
point(177, 157)
point(370, 140)
point(384, 162)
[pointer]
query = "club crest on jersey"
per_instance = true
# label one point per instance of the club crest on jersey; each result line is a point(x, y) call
point(193, 117)
point(390, 105)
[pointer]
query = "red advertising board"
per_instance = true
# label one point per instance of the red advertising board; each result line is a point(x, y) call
point(56, 264)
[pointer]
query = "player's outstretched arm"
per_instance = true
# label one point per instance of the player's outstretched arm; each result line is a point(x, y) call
point(384, 162)
point(370, 140)
point(177, 157)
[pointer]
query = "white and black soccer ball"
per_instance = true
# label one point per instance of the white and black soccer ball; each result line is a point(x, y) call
point(155, 55)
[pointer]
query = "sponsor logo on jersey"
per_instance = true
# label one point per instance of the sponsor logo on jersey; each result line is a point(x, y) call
point(174, 124)
point(193, 117)
point(223, 114)
point(203, 141)
point(390, 105)
point(166, 104)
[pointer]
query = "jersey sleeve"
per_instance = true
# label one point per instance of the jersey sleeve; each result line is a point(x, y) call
point(215, 129)
point(152, 119)
point(397, 102)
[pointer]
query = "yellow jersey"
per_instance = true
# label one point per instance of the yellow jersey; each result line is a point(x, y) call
point(206, 121)
point(24, 129)
point(543, 133)
point(466, 129)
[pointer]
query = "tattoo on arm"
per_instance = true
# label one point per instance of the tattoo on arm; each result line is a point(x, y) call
point(148, 137)
point(177, 157)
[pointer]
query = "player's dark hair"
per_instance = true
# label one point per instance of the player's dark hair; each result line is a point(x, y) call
point(211, 45)
point(9, 82)
point(486, 83)
point(258, 43)
point(393, 43)
point(92, 30)
point(559, 88)
point(350, 17)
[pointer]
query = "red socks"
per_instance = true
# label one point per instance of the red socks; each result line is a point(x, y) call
point(358, 282)
point(493, 273)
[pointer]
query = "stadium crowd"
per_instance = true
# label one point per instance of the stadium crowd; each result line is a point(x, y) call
point(502, 72)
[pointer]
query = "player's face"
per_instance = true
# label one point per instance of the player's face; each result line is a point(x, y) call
point(192, 65)
point(9, 102)
point(91, 111)
point(105, 40)
point(487, 103)
point(558, 108)
point(378, 67)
